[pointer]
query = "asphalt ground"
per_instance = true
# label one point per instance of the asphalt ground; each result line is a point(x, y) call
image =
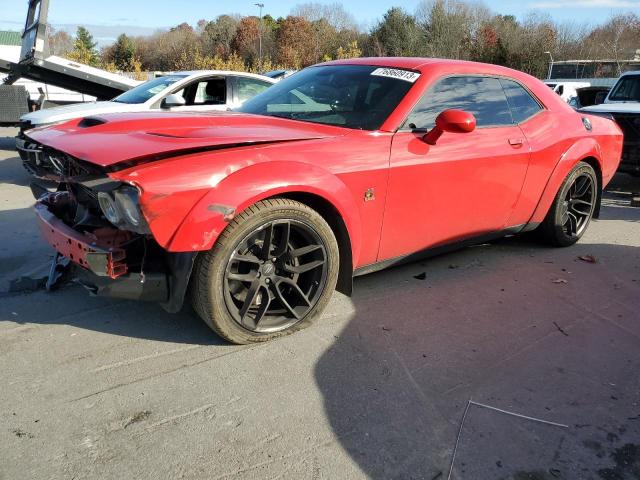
point(97, 388)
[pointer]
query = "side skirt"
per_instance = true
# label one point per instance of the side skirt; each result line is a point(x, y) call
point(434, 251)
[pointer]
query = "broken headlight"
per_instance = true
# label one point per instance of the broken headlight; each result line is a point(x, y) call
point(108, 207)
point(122, 208)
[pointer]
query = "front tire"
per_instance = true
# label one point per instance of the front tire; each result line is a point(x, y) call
point(573, 207)
point(271, 272)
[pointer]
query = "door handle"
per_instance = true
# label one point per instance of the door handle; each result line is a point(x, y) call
point(516, 142)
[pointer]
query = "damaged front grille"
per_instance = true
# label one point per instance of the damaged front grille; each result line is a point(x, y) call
point(50, 164)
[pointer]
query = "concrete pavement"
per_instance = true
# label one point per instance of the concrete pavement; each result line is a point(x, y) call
point(99, 388)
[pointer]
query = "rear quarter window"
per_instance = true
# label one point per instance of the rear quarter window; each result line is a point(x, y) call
point(523, 106)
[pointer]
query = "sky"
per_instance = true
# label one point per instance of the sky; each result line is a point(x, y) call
point(106, 19)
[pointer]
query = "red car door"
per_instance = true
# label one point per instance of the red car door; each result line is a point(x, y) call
point(467, 184)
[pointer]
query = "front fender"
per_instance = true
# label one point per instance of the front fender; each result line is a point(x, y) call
point(583, 148)
point(233, 194)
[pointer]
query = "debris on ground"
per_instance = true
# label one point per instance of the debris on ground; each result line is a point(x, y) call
point(138, 417)
point(495, 409)
point(560, 329)
point(560, 280)
point(21, 433)
point(27, 284)
point(386, 329)
point(588, 258)
point(421, 276)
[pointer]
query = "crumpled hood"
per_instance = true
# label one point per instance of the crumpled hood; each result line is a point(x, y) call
point(78, 110)
point(107, 140)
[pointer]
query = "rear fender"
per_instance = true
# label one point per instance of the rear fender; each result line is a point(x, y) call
point(580, 150)
point(233, 194)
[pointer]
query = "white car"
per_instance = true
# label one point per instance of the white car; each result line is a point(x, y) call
point(566, 90)
point(195, 91)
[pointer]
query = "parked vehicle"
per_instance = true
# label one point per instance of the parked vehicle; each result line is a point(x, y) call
point(202, 90)
point(587, 96)
point(261, 213)
point(566, 90)
point(623, 104)
point(279, 74)
point(197, 91)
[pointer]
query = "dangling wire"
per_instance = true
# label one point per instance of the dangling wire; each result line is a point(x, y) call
point(144, 256)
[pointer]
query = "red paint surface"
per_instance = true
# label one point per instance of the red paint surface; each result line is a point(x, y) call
point(425, 195)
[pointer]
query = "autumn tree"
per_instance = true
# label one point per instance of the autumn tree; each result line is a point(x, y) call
point(60, 43)
point(294, 49)
point(246, 40)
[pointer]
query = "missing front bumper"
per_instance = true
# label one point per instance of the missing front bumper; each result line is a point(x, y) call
point(99, 263)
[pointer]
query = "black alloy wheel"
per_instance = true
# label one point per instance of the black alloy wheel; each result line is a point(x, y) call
point(573, 207)
point(275, 276)
point(578, 205)
point(271, 272)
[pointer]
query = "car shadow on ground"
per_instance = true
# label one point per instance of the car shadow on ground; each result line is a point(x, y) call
point(528, 329)
point(13, 173)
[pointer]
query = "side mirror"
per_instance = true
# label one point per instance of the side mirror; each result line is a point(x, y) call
point(454, 121)
point(173, 100)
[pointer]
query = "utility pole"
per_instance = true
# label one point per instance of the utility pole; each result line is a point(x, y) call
point(550, 65)
point(260, 6)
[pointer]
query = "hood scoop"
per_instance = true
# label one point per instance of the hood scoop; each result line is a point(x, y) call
point(87, 122)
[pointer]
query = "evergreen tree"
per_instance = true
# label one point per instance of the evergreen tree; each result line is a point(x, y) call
point(123, 52)
point(84, 48)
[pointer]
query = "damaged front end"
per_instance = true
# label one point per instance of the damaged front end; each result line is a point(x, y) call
point(96, 223)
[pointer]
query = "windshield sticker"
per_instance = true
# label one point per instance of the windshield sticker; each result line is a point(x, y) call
point(405, 75)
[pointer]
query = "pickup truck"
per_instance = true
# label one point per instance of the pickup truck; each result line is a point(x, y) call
point(623, 105)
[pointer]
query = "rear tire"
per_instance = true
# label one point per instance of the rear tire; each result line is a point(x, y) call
point(572, 209)
point(271, 272)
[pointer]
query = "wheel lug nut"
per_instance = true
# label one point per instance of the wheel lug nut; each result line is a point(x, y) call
point(267, 281)
point(274, 259)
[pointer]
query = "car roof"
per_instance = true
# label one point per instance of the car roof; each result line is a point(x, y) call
point(422, 64)
point(203, 73)
point(634, 72)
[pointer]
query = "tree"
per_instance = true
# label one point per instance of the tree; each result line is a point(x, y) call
point(60, 43)
point(245, 42)
point(396, 35)
point(123, 53)
point(218, 35)
point(294, 48)
point(449, 26)
point(84, 48)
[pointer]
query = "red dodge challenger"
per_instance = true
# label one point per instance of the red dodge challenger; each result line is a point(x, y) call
point(344, 168)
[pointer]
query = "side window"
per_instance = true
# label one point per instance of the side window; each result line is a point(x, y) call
point(211, 92)
point(523, 105)
point(249, 87)
point(481, 96)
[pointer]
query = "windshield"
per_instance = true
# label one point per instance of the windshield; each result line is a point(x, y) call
point(627, 89)
point(144, 92)
point(351, 96)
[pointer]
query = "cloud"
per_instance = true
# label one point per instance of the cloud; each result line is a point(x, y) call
point(586, 4)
